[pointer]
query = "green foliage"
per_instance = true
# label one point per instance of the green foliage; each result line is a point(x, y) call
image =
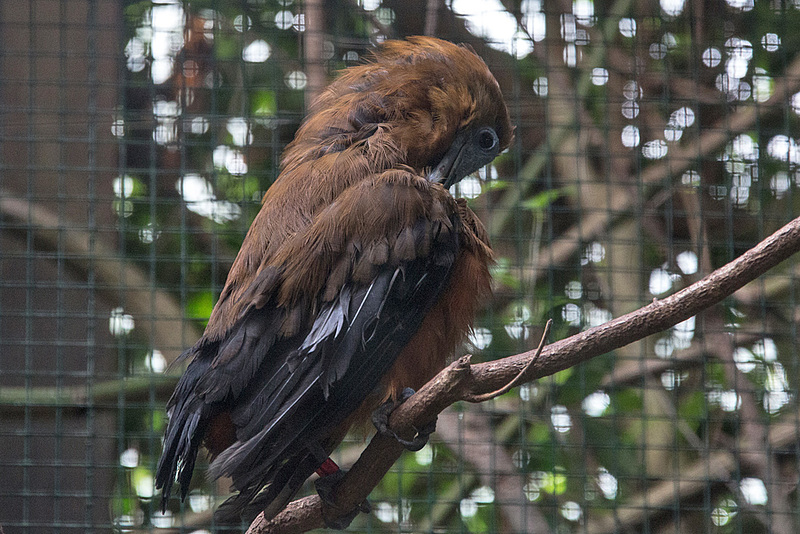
point(199, 306)
point(263, 104)
point(502, 274)
point(542, 201)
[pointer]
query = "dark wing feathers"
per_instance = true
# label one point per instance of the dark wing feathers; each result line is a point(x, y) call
point(315, 339)
point(406, 294)
point(215, 376)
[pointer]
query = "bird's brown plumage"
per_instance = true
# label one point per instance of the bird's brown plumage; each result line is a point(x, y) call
point(357, 271)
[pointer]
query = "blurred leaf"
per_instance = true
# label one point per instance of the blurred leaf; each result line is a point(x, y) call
point(539, 433)
point(199, 305)
point(692, 410)
point(501, 273)
point(227, 48)
point(543, 200)
point(125, 504)
point(627, 400)
point(159, 421)
point(263, 103)
point(561, 377)
point(554, 483)
point(477, 523)
point(495, 185)
point(134, 11)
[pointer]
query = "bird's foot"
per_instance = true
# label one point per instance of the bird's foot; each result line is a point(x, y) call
point(380, 418)
point(326, 487)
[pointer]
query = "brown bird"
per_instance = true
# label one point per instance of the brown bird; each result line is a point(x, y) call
point(357, 279)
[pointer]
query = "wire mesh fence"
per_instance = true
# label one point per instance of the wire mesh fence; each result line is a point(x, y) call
point(655, 141)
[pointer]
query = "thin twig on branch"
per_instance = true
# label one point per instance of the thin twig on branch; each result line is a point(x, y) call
point(517, 380)
point(461, 380)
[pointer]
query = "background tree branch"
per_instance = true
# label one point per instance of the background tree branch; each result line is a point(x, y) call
point(158, 313)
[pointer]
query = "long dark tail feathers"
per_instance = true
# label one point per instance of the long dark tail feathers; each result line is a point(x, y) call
point(231, 511)
point(181, 445)
point(277, 490)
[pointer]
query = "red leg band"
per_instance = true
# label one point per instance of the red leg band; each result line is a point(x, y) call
point(328, 467)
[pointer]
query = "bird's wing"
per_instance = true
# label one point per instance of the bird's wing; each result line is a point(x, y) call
point(325, 320)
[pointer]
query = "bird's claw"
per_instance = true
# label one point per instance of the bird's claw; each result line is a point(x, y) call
point(325, 487)
point(380, 418)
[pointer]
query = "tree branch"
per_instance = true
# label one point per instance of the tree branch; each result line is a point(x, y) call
point(313, 49)
point(695, 478)
point(461, 380)
point(481, 447)
point(680, 159)
point(158, 314)
point(431, 13)
point(106, 393)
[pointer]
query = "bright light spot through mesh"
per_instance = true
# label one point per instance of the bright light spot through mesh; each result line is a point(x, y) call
point(571, 511)
point(780, 184)
point(574, 290)
point(583, 11)
point(491, 21)
point(200, 502)
point(599, 76)
point(596, 404)
point(240, 131)
point(256, 52)
point(672, 8)
point(741, 5)
point(296, 80)
point(711, 57)
point(630, 136)
point(607, 483)
point(424, 456)
point(655, 149)
point(771, 42)
point(162, 519)
point(480, 338)
point(560, 419)
point(540, 87)
point(199, 197)
point(660, 282)
point(242, 23)
point(534, 19)
point(129, 458)
point(123, 186)
point(754, 491)
point(469, 188)
point(468, 507)
point(120, 323)
point(284, 20)
point(744, 359)
point(627, 27)
point(155, 362)
point(687, 262)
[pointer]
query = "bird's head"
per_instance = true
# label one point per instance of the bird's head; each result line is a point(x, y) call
point(472, 148)
point(425, 103)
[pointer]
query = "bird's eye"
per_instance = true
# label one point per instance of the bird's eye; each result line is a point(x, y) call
point(487, 139)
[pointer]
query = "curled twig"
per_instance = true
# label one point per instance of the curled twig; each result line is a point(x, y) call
point(519, 379)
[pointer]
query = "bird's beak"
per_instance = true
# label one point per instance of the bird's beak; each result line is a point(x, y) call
point(445, 172)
